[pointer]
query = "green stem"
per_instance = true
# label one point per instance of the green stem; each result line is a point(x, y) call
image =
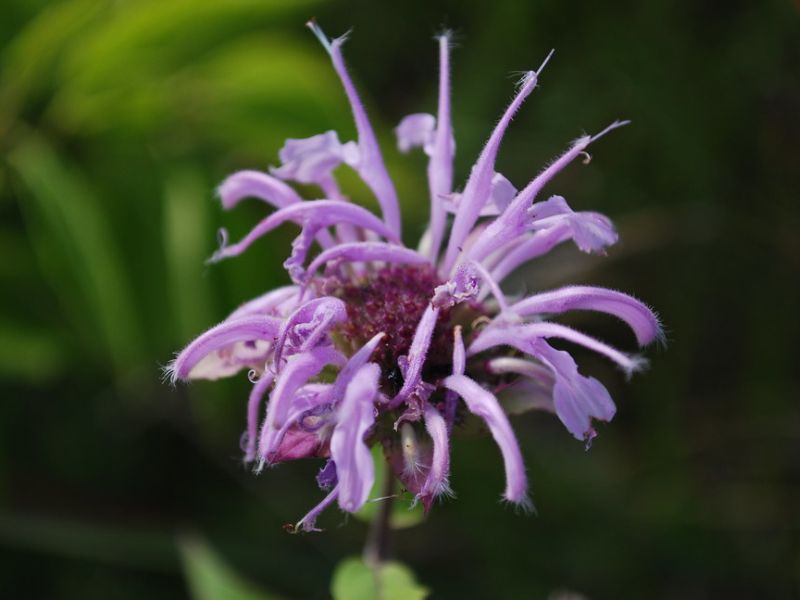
point(376, 548)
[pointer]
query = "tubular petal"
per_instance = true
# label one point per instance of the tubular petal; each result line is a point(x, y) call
point(440, 165)
point(436, 482)
point(478, 187)
point(482, 403)
point(370, 165)
point(416, 355)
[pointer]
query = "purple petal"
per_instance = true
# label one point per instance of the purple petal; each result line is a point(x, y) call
point(366, 252)
point(353, 366)
point(308, 522)
point(577, 399)
point(436, 482)
point(440, 166)
point(463, 286)
point(311, 160)
point(536, 245)
point(226, 334)
point(253, 409)
point(416, 355)
point(247, 184)
point(501, 195)
point(513, 220)
point(590, 231)
point(354, 467)
point(298, 369)
point(279, 302)
point(416, 131)
point(637, 315)
point(370, 165)
point(306, 326)
point(315, 214)
point(478, 187)
point(482, 403)
point(522, 337)
point(525, 395)
point(327, 478)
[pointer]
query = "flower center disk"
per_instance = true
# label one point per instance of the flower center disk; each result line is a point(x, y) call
point(392, 300)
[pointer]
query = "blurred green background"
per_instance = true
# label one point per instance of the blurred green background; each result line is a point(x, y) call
point(117, 120)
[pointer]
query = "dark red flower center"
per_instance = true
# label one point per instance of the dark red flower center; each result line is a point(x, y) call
point(392, 300)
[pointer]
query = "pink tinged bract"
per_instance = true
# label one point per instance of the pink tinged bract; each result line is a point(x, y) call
point(483, 404)
point(356, 414)
point(370, 164)
point(636, 314)
point(297, 370)
point(189, 362)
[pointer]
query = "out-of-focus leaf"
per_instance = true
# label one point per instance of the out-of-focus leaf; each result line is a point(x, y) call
point(142, 548)
point(210, 578)
point(28, 62)
point(129, 65)
point(403, 513)
point(354, 580)
point(74, 226)
point(186, 208)
point(28, 354)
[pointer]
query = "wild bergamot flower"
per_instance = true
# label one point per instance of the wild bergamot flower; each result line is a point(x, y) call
point(379, 343)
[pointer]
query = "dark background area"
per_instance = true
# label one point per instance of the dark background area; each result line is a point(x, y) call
point(117, 120)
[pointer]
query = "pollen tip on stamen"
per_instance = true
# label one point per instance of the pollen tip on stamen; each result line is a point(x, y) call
point(615, 125)
point(545, 61)
point(317, 31)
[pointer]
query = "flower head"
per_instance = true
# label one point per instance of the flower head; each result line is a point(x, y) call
point(378, 343)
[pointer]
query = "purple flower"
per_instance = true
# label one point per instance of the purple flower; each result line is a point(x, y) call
point(378, 343)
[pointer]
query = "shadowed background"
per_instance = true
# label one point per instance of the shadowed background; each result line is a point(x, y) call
point(117, 121)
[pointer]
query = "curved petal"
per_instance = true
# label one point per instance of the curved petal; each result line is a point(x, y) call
point(247, 184)
point(244, 329)
point(636, 314)
point(522, 336)
point(314, 213)
point(482, 403)
point(436, 481)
